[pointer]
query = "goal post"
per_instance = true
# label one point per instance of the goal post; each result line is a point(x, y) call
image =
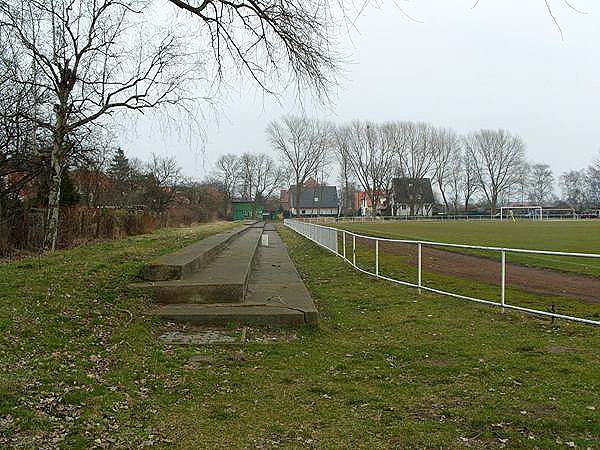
point(535, 212)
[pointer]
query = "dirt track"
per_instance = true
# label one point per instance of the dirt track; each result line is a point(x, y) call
point(530, 279)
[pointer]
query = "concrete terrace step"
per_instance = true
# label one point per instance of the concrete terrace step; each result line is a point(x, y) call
point(188, 260)
point(223, 279)
point(223, 314)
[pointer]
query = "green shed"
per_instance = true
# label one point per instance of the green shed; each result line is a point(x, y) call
point(242, 209)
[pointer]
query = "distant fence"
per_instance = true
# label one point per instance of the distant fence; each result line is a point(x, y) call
point(328, 238)
point(440, 218)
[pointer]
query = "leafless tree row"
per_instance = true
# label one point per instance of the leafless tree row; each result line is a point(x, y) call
point(372, 154)
point(488, 166)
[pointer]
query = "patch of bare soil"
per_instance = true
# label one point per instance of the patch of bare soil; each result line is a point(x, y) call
point(478, 268)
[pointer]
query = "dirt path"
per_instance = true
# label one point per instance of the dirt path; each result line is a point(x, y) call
point(530, 279)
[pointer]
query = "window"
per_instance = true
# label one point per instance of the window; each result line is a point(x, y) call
point(303, 211)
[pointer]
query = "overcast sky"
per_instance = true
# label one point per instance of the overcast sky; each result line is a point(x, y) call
point(500, 65)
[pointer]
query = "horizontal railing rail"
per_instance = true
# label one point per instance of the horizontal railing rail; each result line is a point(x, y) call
point(328, 238)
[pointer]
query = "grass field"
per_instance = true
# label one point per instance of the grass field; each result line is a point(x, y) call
point(387, 368)
point(564, 236)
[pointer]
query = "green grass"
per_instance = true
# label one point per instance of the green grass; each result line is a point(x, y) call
point(387, 368)
point(564, 236)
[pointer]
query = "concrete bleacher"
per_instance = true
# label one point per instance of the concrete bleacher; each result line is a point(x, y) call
point(230, 278)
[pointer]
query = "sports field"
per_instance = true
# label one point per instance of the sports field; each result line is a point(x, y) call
point(563, 236)
point(566, 236)
point(566, 285)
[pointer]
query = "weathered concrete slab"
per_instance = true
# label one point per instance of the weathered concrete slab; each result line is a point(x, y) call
point(188, 260)
point(275, 280)
point(207, 337)
point(223, 279)
point(223, 314)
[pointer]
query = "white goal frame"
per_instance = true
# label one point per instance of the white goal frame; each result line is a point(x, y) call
point(538, 208)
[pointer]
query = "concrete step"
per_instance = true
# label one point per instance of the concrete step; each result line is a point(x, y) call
point(223, 279)
point(223, 314)
point(178, 265)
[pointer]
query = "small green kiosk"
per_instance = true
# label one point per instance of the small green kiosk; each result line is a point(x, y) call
point(242, 209)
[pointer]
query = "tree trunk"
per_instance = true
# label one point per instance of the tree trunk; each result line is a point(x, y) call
point(373, 204)
point(443, 196)
point(494, 202)
point(297, 202)
point(346, 197)
point(52, 217)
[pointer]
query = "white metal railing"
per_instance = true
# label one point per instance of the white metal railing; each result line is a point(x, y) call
point(327, 237)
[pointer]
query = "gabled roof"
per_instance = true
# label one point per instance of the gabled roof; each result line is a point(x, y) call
point(315, 197)
point(412, 190)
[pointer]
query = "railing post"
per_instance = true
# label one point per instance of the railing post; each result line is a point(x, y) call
point(419, 252)
point(503, 279)
point(344, 242)
point(354, 250)
point(377, 258)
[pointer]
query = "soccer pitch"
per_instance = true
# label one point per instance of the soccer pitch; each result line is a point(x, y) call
point(562, 236)
point(565, 236)
point(554, 283)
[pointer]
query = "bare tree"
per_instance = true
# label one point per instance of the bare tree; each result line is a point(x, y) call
point(162, 175)
point(574, 189)
point(259, 178)
point(302, 144)
point(345, 174)
point(592, 177)
point(446, 149)
point(455, 179)
point(246, 176)
point(470, 179)
point(19, 164)
point(370, 152)
point(227, 173)
point(497, 156)
point(415, 148)
point(268, 178)
point(540, 184)
point(89, 58)
point(521, 185)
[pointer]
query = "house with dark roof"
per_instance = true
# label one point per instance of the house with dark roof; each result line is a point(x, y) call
point(314, 201)
point(411, 197)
